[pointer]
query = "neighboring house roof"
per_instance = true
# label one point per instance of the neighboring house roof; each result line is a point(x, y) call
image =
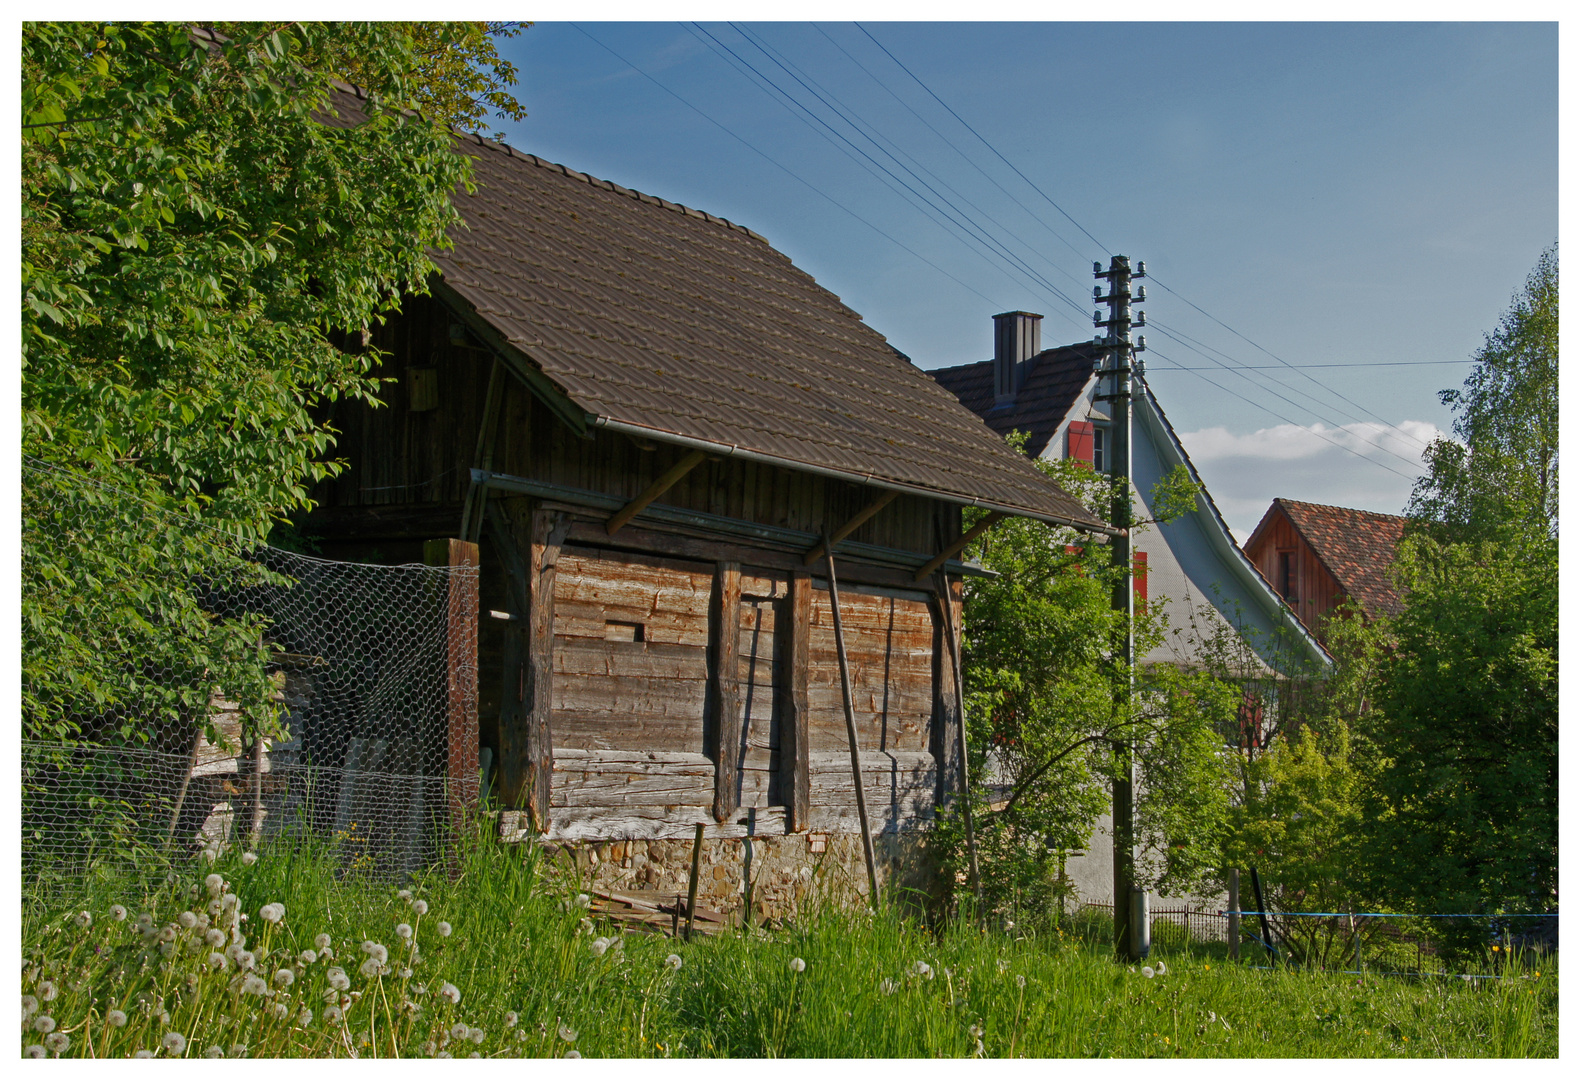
point(1055, 379)
point(648, 317)
point(1356, 546)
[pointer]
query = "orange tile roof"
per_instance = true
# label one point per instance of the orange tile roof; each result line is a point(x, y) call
point(1356, 546)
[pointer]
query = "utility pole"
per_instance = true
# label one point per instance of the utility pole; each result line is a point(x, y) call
point(1115, 366)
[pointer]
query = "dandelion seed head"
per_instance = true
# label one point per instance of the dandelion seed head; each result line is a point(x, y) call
point(115, 1018)
point(458, 1031)
point(214, 1052)
point(321, 942)
point(444, 929)
point(35, 1051)
point(420, 906)
point(673, 961)
point(338, 979)
point(44, 1024)
point(167, 933)
point(308, 957)
point(29, 1005)
point(59, 1042)
point(450, 993)
point(477, 1035)
point(798, 965)
point(272, 912)
point(208, 855)
point(405, 972)
point(254, 985)
point(585, 926)
point(573, 1053)
point(143, 1054)
point(187, 920)
point(1020, 981)
point(567, 1033)
point(511, 1019)
point(117, 912)
point(217, 961)
point(284, 977)
point(975, 1030)
point(583, 900)
point(281, 1010)
point(599, 946)
point(922, 969)
point(332, 1014)
point(215, 909)
point(1162, 968)
point(174, 1042)
point(1147, 972)
point(83, 919)
point(248, 858)
point(229, 900)
point(372, 968)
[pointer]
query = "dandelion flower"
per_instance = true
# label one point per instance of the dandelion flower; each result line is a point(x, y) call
point(308, 956)
point(372, 968)
point(29, 1005)
point(187, 920)
point(444, 929)
point(405, 973)
point(321, 942)
point(511, 1019)
point(798, 965)
point(115, 1018)
point(217, 961)
point(272, 912)
point(1147, 972)
point(1020, 981)
point(238, 1050)
point(922, 969)
point(673, 961)
point(450, 993)
point(229, 900)
point(246, 960)
point(567, 1033)
point(117, 912)
point(338, 979)
point(248, 858)
point(215, 909)
point(304, 1017)
point(281, 1010)
point(214, 1052)
point(430, 1048)
point(174, 1042)
point(583, 900)
point(1162, 969)
point(332, 1014)
point(143, 1054)
point(975, 1030)
point(403, 930)
point(35, 1050)
point(44, 1024)
point(83, 919)
point(585, 926)
point(167, 933)
point(377, 951)
point(573, 1053)
point(208, 855)
point(59, 1042)
point(215, 937)
point(1003, 965)
point(420, 906)
point(47, 991)
point(145, 920)
point(254, 985)
point(477, 1035)
point(599, 946)
point(284, 977)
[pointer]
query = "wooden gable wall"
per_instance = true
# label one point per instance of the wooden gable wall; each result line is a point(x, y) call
point(1314, 593)
point(642, 675)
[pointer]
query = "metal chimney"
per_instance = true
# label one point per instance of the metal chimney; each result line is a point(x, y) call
point(1017, 337)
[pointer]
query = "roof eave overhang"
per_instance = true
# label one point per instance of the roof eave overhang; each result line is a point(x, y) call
point(721, 449)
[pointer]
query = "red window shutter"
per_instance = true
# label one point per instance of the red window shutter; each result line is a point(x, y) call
point(1139, 580)
point(1074, 549)
point(1078, 441)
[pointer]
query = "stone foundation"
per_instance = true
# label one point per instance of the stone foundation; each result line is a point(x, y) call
point(778, 875)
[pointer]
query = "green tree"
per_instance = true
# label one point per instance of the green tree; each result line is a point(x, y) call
point(194, 235)
point(1466, 714)
point(1044, 713)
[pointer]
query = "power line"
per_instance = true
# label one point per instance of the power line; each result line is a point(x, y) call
point(1285, 419)
point(784, 168)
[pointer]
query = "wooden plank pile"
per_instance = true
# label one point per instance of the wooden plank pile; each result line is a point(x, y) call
point(652, 916)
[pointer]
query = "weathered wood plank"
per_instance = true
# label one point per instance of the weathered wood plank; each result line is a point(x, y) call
point(459, 602)
point(794, 715)
point(723, 717)
point(508, 523)
point(548, 533)
point(594, 729)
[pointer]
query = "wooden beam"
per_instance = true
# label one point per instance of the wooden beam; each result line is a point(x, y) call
point(459, 600)
point(548, 534)
point(795, 717)
point(946, 603)
point(959, 545)
point(723, 716)
point(514, 763)
point(487, 431)
point(850, 732)
point(849, 527)
point(670, 478)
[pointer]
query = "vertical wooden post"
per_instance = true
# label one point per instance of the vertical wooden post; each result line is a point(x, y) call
point(1234, 914)
point(946, 603)
point(548, 534)
point(850, 731)
point(724, 689)
point(691, 889)
point(460, 666)
point(505, 518)
point(795, 739)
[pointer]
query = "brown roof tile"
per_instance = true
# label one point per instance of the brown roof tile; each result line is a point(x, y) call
point(1356, 546)
point(656, 315)
point(1054, 380)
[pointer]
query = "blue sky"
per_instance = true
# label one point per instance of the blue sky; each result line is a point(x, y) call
point(1358, 194)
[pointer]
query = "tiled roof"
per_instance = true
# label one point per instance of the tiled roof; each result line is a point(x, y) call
point(646, 313)
point(1054, 380)
point(1357, 547)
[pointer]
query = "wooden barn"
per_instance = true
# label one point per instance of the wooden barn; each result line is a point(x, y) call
point(650, 422)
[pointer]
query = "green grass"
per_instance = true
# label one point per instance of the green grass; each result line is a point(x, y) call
point(520, 946)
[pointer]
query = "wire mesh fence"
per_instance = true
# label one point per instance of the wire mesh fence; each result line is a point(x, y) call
point(1375, 942)
point(183, 691)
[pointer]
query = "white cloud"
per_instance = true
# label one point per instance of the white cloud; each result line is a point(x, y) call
point(1369, 466)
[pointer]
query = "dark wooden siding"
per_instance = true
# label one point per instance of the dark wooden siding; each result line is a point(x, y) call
point(1314, 593)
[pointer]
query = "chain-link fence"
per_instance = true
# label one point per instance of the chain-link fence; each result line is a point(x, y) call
point(183, 692)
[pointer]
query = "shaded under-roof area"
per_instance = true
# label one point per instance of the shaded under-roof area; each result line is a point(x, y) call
point(1356, 546)
point(1053, 381)
point(646, 313)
